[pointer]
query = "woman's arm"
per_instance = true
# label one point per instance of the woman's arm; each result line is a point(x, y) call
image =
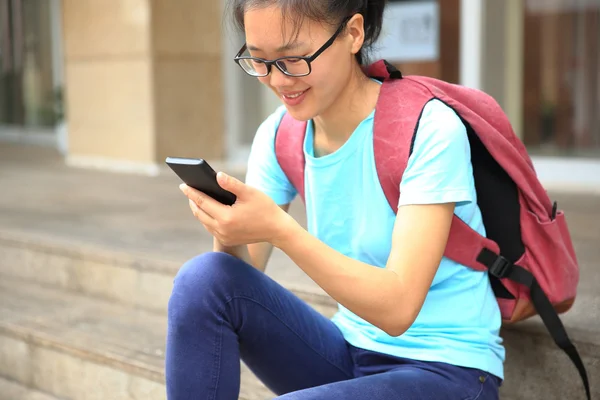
point(389, 298)
point(438, 176)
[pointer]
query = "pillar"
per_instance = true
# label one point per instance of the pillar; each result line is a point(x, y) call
point(143, 81)
point(108, 81)
point(513, 73)
point(471, 42)
point(188, 78)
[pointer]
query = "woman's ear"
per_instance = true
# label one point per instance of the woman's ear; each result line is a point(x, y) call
point(355, 29)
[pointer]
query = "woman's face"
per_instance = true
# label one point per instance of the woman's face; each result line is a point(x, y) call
point(309, 96)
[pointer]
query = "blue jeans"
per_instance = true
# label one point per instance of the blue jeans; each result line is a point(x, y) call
point(223, 310)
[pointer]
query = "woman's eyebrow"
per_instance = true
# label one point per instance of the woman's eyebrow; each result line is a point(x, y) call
point(286, 47)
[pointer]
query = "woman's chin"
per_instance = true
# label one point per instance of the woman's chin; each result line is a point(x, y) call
point(302, 113)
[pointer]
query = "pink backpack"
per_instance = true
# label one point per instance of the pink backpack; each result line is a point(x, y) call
point(528, 250)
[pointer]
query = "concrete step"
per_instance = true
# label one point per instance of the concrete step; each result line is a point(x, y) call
point(117, 237)
point(537, 369)
point(61, 342)
point(137, 280)
point(123, 237)
point(73, 347)
point(10, 390)
point(50, 326)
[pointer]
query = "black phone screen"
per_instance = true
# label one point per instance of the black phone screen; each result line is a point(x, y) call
point(198, 174)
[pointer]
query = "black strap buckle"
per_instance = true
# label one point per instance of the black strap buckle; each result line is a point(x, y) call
point(501, 267)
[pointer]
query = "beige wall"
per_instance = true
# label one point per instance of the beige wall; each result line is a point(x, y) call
point(188, 80)
point(143, 80)
point(108, 71)
point(494, 56)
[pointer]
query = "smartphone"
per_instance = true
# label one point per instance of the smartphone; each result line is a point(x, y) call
point(198, 174)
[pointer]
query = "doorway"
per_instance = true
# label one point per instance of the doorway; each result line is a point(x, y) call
point(31, 95)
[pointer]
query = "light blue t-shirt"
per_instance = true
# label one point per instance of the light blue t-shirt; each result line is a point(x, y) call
point(346, 208)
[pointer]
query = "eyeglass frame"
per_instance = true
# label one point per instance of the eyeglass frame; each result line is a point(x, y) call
point(309, 59)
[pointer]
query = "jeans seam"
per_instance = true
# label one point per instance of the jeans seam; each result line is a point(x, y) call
point(218, 348)
point(290, 328)
point(480, 391)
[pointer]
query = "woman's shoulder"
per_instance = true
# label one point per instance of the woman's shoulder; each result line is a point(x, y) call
point(439, 123)
point(263, 144)
point(271, 123)
point(440, 112)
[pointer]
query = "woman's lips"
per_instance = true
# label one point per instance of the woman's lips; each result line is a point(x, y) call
point(294, 98)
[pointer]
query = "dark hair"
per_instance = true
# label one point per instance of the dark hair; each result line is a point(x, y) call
point(331, 12)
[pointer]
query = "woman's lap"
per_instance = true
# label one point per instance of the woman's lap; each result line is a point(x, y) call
point(223, 310)
point(383, 377)
point(402, 383)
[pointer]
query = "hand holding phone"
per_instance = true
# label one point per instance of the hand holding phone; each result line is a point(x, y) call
point(198, 174)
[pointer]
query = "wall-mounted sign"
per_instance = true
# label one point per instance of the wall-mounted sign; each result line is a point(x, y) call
point(411, 31)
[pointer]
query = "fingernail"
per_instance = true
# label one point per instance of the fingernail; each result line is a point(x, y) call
point(182, 187)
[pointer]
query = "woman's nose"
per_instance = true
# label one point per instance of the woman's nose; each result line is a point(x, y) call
point(278, 79)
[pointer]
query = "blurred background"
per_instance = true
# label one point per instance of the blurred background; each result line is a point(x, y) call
point(94, 94)
point(132, 81)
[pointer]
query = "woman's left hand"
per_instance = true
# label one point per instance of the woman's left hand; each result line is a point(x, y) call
point(253, 218)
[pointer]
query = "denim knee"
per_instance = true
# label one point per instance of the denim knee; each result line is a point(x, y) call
point(207, 281)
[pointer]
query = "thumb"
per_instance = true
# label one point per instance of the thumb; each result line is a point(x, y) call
point(230, 183)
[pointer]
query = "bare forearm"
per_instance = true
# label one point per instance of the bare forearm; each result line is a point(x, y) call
point(240, 252)
point(370, 292)
point(260, 254)
point(256, 254)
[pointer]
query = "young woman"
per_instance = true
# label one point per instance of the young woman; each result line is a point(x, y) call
point(412, 324)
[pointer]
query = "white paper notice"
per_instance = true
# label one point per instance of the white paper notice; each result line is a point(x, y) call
point(410, 32)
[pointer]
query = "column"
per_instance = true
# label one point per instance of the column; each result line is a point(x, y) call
point(513, 75)
point(471, 42)
point(494, 50)
point(108, 78)
point(188, 79)
point(144, 81)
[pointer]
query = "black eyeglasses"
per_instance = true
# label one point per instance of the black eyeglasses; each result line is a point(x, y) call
point(290, 66)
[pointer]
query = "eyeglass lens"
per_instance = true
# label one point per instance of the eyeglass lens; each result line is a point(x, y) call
point(289, 66)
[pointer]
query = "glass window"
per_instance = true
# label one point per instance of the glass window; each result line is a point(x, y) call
point(562, 77)
point(27, 94)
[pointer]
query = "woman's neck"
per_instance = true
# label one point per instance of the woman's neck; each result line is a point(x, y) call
point(355, 103)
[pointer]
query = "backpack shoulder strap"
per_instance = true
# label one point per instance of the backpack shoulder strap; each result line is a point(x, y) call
point(394, 130)
point(396, 123)
point(289, 150)
point(397, 114)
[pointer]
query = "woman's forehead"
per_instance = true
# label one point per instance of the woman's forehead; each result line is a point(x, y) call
point(269, 30)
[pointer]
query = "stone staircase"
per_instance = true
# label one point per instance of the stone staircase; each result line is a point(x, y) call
point(10, 390)
point(90, 324)
point(86, 267)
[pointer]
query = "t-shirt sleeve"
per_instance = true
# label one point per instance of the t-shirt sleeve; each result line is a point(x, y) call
point(264, 172)
point(439, 169)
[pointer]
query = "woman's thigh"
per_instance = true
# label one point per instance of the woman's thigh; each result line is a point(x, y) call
point(408, 382)
point(286, 343)
point(222, 309)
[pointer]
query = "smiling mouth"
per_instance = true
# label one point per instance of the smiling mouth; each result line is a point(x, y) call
point(294, 95)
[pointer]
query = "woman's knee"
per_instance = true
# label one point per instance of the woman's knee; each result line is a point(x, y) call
point(209, 274)
point(201, 288)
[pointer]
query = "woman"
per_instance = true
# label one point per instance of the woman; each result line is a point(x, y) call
point(412, 324)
